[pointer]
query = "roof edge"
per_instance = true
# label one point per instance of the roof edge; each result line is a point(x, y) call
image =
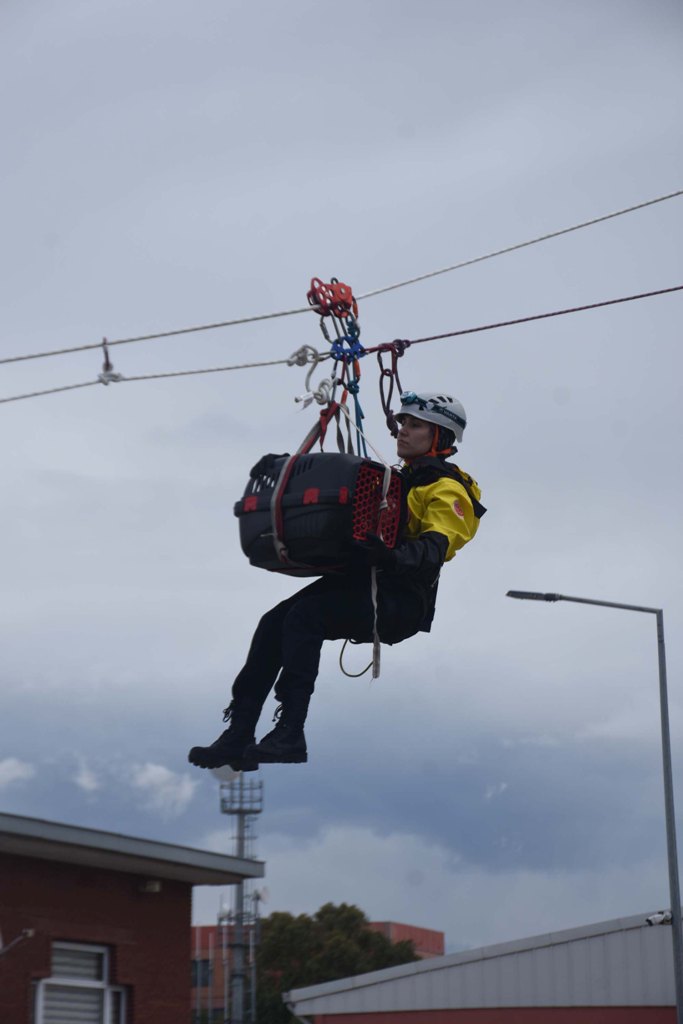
point(50, 840)
point(533, 942)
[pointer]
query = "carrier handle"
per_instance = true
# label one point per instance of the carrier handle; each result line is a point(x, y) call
point(318, 430)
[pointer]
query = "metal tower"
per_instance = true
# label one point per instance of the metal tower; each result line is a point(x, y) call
point(243, 800)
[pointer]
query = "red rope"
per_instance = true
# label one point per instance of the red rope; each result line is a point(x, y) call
point(537, 316)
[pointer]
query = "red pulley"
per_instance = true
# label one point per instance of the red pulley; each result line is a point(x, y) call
point(343, 299)
point(320, 296)
point(335, 298)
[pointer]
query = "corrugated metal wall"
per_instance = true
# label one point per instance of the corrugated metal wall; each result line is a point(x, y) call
point(625, 964)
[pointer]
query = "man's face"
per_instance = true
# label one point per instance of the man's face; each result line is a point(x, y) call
point(414, 437)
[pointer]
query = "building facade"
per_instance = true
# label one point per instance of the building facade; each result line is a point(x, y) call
point(212, 966)
point(426, 941)
point(95, 926)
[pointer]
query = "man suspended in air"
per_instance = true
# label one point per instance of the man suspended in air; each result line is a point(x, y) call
point(443, 513)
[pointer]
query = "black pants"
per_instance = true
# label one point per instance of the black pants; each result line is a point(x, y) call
point(285, 649)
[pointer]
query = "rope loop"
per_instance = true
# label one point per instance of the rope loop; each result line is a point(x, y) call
point(351, 675)
point(322, 394)
point(396, 348)
point(304, 355)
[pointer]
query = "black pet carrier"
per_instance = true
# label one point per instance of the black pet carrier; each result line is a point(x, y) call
point(302, 522)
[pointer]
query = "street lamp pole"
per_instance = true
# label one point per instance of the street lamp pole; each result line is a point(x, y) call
point(672, 853)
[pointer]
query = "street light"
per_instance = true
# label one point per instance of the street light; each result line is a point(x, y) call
point(672, 855)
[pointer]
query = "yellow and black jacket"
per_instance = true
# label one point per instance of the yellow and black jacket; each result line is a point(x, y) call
point(443, 513)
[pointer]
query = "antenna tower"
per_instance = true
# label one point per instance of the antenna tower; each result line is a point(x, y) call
point(244, 801)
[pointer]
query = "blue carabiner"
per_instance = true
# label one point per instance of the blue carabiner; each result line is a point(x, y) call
point(338, 350)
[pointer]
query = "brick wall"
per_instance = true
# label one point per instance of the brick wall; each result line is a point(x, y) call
point(148, 934)
point(427, 941)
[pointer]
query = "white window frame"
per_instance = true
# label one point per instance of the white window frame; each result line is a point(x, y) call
point(103, 985)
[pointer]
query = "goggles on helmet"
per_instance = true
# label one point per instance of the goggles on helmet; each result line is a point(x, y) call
point(428, 404)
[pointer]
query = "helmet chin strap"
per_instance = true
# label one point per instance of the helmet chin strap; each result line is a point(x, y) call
point(435, 450)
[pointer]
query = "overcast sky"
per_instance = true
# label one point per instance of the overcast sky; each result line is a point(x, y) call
point(175, 164)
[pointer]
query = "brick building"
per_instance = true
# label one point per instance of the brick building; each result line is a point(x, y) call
point(95, 926)
point(211, 963)
point(427, 941)
point(212, 966)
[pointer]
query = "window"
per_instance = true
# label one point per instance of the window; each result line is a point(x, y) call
point(201, 973)
point(78, 991)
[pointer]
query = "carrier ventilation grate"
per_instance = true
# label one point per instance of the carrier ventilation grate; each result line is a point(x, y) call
point(366, 501)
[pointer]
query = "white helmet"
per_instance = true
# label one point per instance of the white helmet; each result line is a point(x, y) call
point(435, 407)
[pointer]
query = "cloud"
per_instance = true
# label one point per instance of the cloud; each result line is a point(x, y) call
point(495, 790)
point(119, 546)
point(86, 779)
point(628, 724)
point(13, 770)
point(402, 877)
point(166, 792)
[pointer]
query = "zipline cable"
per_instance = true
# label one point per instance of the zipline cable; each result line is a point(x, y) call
point(376, 348)
point(213, 369)
point(538, 316)
point(50, 391)
point(366, 295)
point(152, 337)
point(519, 245)
point(151, 376)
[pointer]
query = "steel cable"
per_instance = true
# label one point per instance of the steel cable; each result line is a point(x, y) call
point(366, 295)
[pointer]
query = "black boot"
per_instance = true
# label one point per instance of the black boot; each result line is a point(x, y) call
point(231, 745)
point(286, 743)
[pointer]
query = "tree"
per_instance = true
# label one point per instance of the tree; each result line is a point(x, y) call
point(334, 943)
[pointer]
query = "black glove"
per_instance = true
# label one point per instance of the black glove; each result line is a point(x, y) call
point(372, 551)
point(266, 464)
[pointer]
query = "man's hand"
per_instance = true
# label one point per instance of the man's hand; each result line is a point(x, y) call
point(372, 551)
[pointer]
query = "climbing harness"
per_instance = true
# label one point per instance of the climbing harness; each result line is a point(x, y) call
point(336, 301)
point(368, 496)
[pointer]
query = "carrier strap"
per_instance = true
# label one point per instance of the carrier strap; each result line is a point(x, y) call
point(376, 642)
point(317, 431)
